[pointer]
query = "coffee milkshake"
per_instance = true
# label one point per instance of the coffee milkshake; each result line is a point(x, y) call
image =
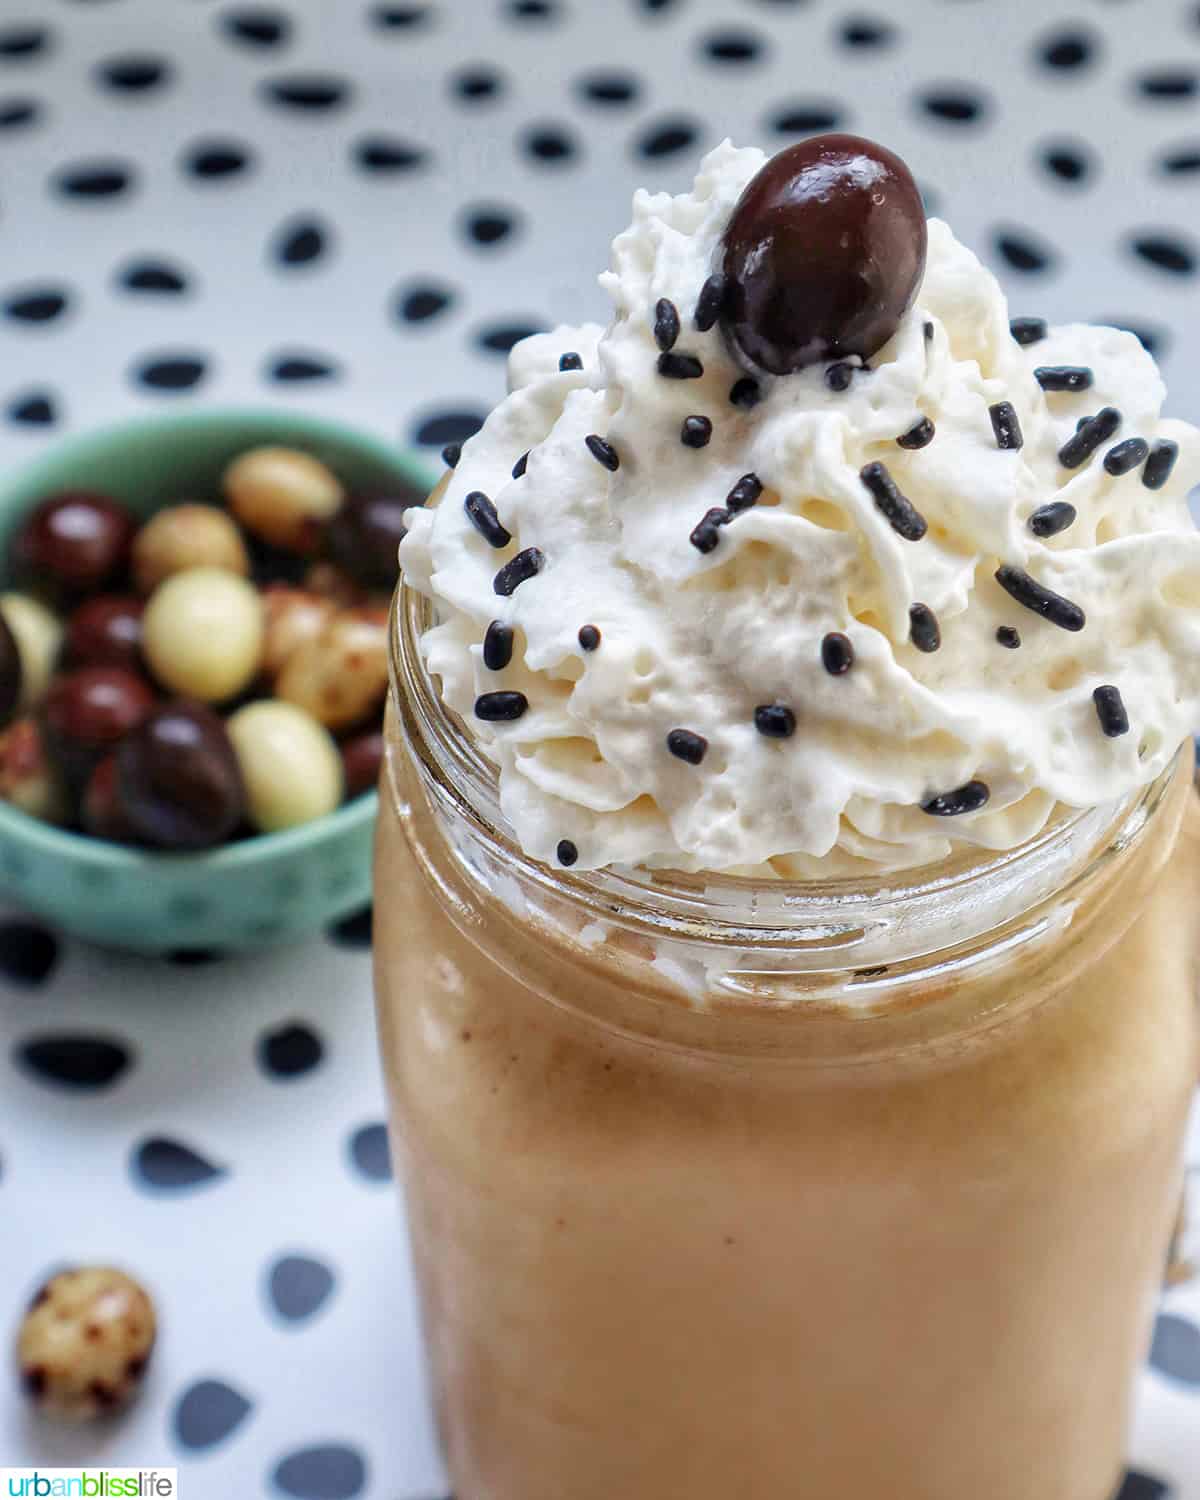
point(786, 949)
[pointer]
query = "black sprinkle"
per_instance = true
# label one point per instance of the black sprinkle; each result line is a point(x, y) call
point(354, 931)
point(550, 144)
point(1006, 425)
point(1008, 637)
point(501, 707)
point(923, 629)
point(207, 1413)
point(1068, 49)
point(745, 393)
point(327, 1471)
point(710, 302)
point(293, 367)
point(1159, 464)
point(667, 138)
point(965, 799)
point(775, 720)
point(686, 745)
point(1139, 1486)
point(1169, 83)
point(1166, 253)
point(451, 454)
point(35, 409)
point(95, 179)
point(479, 82)
point(674, 366)
point(132, 75)
point(1084, 441)
point(447, 427)
point(1066, 161)
point(27, 953)
point(518, 469)
point(570, 361)
point(1028, 330)
point(919, 435)
point(956, 105)
point(487, 225)
point(695, 432)
point(706, 533)
point(805, 118)
point(900, 513)
point(152, 276)
point(839, 376)
point(299, 1286)
point(497, 646)
point(17, 112)
point(1049, 520)
point(290, 1051)
point(213, 159)
point(194, 958)
point(666, 324)
point(23, 41)
point(158, 1162)
point(171, 373)
point(259, 26)
point(499, 338)
point(311, 92)
point(589, 637)
point(425, 300)
point(300, 242)
point(566, 852)
point(370, 1153)
point(482, 515)
point(517, 570)
point(1110, 710)
point(1041, 600)
point(1063, 377)
point(609, 88)
point(1125, 456)
point(603, 452)
point(380, 154)
point(40, 306)
point(1021, 253)
point(744, 493)
point(837, 653)
point(74, 1062)
point(928, 331)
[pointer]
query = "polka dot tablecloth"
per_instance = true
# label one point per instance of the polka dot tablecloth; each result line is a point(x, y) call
point(357, 208)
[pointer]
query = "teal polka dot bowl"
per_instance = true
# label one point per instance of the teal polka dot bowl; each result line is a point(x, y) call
point(258, 891)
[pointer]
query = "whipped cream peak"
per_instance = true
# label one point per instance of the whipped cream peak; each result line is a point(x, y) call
point(714, 725)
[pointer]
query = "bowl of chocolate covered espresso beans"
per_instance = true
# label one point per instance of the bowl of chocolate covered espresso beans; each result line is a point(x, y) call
point(193, 669)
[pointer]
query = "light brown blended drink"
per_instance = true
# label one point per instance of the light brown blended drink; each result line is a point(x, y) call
point(787, 983)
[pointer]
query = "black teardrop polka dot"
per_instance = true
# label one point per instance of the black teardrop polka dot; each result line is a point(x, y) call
point(165, 1165)
point(498, 338)
point(94, 180)
point(290, 1051)
point(355, 931)
point(298, 1287)
point(36, 305)
point(477, 83)
point(953, 104)
point(1166, 252)
point(300, 242)
point(132, 74)
point(1140, 1486)
point(550, 145)
point(489, 224)
point(28, 953)
point(1169, 83)
point(207, 1413)
point(74, 1062)
point(331, 1471)
point(533, 10)
point(24, 40)
point(311, 92)
point(733, 46)
point(1068, 50)
point(423, 301)
point(866, 32)
point(32, 409)
point(291, 368)
point(1175, 1349)
point(370, 1153)
point(400, 17)
point(1021, 252)
point(805, 118)
point(609, 87)
point(216, 159)
point(1068, 161)
point(171, 372)
point(18, 112)
point(152, 276)
point(443, 427)
point(667, 137)
point(257, 26)
point(1181, 160)
point(382, 155)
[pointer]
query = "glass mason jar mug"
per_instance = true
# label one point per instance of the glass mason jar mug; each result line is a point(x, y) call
point(720, 1186)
